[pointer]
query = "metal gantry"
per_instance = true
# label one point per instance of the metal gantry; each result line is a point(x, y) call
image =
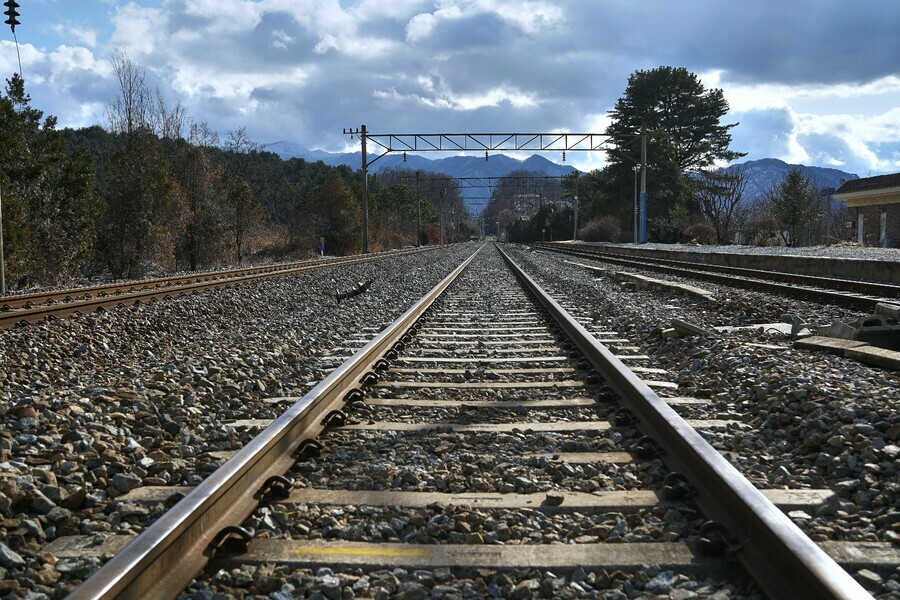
point(385, 143)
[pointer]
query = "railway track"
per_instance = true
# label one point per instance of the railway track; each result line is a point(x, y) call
point(490, 375)
point(862, 295)
point(30, 308)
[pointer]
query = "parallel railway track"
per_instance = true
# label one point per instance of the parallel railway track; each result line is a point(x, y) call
point(862, 295)
point(33, 307)
point(488, 361)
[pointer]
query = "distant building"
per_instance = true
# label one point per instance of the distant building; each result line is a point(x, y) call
point(877, 204)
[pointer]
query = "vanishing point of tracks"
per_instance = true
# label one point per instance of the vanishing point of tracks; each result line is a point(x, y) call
point(485, 360)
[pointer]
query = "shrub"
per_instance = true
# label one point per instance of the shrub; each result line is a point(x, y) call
point(702, 233)
point(602, 229)
point(390, 240)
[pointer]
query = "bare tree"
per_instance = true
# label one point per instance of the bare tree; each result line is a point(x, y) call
point(238, 141)
point(200, 134)
point(169, 122)
point(720, 195)
point(131, 110)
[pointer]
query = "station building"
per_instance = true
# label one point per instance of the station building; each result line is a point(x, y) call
point(877, 204)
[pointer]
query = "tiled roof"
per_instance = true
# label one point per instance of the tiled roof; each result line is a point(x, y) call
point(870, 184)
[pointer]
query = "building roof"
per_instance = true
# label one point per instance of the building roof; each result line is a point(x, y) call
point(867, 184)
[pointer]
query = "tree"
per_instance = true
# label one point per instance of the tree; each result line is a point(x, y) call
point(131, 111)
point(682, 120)
point(334, 210)
point(200, 183)
point(243, 212)
point(720, 195)
point(145, 212)
point(794, 205)
point(51, 205)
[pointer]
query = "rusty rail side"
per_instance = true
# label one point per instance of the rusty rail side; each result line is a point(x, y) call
point(781, 558)
point(163, 560)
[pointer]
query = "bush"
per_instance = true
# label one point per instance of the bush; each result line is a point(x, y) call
point(702, 233)
point(603, 229)
point(390, 240)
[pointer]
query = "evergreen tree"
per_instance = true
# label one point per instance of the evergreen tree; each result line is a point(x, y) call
point(794, 205)
point(202, 241)
point(682, 121)
point(50, 204)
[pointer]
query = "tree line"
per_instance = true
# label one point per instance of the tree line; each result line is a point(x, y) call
point(156, 191)
point(689, 197)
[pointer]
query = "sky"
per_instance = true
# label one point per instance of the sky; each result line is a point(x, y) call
point(815, 82)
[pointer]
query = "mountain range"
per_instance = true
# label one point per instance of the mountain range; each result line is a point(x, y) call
point(762, 174)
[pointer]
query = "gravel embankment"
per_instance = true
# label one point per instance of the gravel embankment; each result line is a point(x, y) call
point(96, 405)
point(815, 420)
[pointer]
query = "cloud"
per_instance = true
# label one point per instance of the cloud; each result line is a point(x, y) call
point(796, 74)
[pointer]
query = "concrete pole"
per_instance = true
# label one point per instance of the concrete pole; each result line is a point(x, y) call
point(418, 213)
point(882, 226)
point(575, 231)
point(443, 192)
point(643, 186)
point(637, 211)
point(860, 226)
point(365, 193)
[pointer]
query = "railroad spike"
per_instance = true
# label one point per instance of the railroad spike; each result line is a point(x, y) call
point(309, 449)
point(354, 395)
point(276, 487)
point(232, 540)
point(677, 487)
point(714, 539)
point(335, 418)
point(646, 448)
point(624, 418)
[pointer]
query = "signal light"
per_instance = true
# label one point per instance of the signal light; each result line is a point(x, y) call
point(12, 13)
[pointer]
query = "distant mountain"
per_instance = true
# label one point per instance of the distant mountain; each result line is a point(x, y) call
point(762, 174)
point(498, 165)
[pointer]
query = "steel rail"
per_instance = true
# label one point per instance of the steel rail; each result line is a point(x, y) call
point(163, 560)
point(870, 288)
point(38, 313)
point(17, 300)
point(807, 293)
point(780, 557)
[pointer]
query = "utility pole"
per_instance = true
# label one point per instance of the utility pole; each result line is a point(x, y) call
point(637, 212)
point(575, 230)
point(643, 185)
point(418, 213)
point(2, 256)
point(443, 193)
point(365, 191)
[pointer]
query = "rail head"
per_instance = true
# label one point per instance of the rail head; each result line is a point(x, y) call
point(161, 561)
point(782, 559)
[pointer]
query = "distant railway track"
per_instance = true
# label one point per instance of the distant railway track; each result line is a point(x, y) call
point(475, 358)
point(862, 295)
point(33, 307)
